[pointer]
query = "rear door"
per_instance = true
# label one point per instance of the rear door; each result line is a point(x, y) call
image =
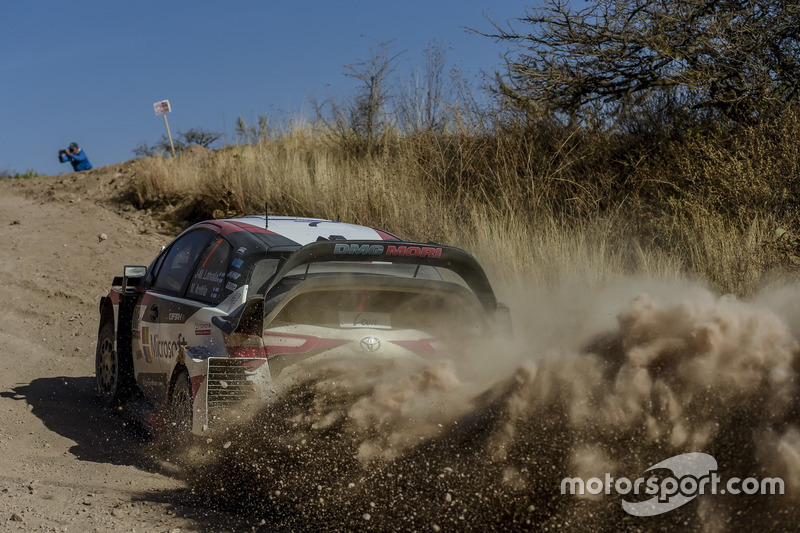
point(208, 287)
point(164, 310)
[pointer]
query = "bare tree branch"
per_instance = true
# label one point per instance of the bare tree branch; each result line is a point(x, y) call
point(737, 58)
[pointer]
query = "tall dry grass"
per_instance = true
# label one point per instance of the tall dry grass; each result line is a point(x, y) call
point(537, 205)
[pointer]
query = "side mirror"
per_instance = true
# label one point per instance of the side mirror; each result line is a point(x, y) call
point(134, 271)
point(132, 274)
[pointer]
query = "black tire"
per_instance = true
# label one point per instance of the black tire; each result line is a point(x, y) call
point(180, 408)
point(171, 443)
point(113, 374)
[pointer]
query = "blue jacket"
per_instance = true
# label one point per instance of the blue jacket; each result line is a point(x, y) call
point(79, 161)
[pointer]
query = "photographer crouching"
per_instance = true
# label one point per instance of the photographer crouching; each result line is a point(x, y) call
point(75, 155)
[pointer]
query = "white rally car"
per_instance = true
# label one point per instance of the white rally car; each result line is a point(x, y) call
point(229, 305)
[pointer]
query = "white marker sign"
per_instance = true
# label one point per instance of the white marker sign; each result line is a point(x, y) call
point(162, 107)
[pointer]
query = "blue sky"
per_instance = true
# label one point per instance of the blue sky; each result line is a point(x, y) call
point(90, 71)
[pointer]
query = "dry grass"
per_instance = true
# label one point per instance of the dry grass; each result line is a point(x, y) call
point(536, 207)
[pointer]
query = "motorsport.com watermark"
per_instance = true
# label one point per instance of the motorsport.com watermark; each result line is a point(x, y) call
point(692, 474)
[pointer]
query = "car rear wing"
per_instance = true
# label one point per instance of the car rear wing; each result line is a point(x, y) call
point(454, 259)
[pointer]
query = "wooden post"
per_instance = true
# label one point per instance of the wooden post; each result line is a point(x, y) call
point(172, 146)
point(162, 108)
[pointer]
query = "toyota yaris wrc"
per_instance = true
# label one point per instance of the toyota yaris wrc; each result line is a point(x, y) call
point(231, 306)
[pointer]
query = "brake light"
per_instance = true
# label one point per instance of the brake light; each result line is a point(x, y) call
point(421, 347)
point(244, 345)
point(286, 343)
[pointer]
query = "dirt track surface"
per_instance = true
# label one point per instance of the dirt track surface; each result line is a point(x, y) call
point(66, 464)
point(369, 446)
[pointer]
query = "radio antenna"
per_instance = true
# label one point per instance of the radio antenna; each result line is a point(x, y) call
point(266, 215)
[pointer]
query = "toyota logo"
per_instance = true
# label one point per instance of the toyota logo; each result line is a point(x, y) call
point(370, 344)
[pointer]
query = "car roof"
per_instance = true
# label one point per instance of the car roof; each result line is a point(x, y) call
point(297, 241)
point(289, 232)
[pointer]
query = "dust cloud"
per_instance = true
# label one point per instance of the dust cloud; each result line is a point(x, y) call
point(611, 380)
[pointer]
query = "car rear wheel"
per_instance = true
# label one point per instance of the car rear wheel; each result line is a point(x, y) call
point(113, 374)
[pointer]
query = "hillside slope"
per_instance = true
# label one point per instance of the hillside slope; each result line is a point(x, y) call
point(65, 464)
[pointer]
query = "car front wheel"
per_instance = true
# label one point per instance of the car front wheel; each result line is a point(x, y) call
point(180, 406)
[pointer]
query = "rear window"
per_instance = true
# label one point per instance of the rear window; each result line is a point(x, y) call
point(442, 314)
point(265, 269)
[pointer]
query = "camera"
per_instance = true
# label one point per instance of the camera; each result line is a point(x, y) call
point(62, 152)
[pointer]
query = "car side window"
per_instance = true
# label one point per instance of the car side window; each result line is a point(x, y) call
point(178, 265)
point(154, 267)
point(208, 281)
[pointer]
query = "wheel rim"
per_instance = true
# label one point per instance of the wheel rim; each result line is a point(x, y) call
point(106, 368)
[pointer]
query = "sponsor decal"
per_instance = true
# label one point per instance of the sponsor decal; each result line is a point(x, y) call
point(231, 286)
point(414, 251)
point(152, 346)
point(358, 249)
point(235, 299)
point(364, 319)
point(237, 263)
point(202, 329)
point(199, 352)
point(176, 317)
point(234, 275)
point(151, 380)
point(390, 250)
point(241, 251)
point(148, 355)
